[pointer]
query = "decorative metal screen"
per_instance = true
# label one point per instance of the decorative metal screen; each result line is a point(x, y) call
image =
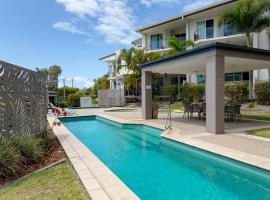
point(23, 101)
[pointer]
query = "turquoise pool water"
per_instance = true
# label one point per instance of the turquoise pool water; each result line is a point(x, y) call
point(156, 168)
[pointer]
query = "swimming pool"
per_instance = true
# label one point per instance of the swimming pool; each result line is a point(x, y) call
point(157, 168)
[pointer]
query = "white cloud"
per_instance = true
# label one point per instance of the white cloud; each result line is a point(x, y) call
point(198, 4)
point(116, 22)
point(69, 27)
point(112, 19)
point(149, 3)
point(80, 7)
point(88, 84)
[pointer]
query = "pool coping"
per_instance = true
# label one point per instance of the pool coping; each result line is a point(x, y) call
point(253, 160)
point(99, 181)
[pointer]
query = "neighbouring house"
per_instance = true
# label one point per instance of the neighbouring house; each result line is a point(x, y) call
point(201, 26)
point(116, 77)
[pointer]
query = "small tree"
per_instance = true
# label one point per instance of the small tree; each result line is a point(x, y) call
point(237, 92)
point(192, 93)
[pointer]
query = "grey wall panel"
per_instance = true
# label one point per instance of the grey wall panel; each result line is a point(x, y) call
point(23, 101)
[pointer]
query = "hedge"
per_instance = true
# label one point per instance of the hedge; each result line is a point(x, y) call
point(237, 92)
point(262, 92)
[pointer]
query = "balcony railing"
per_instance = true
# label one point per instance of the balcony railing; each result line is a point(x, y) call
point(112, 74)
point(204, 33)
point(211, 32)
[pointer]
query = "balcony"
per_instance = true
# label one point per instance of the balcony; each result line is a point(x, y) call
point(215, 32)
point(204, 33)
point(112, 74)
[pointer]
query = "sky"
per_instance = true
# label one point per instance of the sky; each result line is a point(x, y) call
point(76, 33)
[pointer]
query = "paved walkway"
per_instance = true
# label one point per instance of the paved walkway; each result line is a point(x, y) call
point(235, 144)
point(102, 184)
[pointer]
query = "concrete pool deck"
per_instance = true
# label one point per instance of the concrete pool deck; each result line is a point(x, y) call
point(101, 183)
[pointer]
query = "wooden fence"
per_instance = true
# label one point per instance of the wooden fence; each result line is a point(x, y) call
point(111, 97)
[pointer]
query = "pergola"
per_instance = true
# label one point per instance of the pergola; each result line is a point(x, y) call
point(213, 60)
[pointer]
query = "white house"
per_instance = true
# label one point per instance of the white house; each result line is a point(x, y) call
point(200, 26)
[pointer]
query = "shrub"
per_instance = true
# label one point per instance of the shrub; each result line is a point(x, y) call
point(236, 91)
point(61, 102)
point(74, 99)
point(171, 91)
point(68, 91)
point(191, 93)
point(10, 159)
point(262, 92)
point(30, 148)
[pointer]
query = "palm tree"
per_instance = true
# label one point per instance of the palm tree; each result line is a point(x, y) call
point(131, 59)
point(248, 16)
point(177, 46)
point(125, 59)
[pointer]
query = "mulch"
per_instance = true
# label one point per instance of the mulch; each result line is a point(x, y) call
point(55, 153)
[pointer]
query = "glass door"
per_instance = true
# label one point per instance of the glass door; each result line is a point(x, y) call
point(209, 28)
point(201, 32)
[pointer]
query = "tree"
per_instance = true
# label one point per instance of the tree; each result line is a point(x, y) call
point(54, 72)
point(248, 16)
point(43, 71)
point(177, 46)
point(68, 90)
point(131, 59)
point(101, 83)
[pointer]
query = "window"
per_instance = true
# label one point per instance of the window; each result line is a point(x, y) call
point(181, 37)
point(233, 77)
point(205, 29)
point(156, 41)
point(245, 76)
point(200, 79)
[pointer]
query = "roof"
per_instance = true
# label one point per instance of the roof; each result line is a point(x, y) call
point(113, 54)
point(186, 14)
point(136, 41)
point(209, 47)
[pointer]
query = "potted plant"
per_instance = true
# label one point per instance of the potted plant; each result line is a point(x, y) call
point(155, 106)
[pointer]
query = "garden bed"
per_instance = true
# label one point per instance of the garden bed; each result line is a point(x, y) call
point(55, 153)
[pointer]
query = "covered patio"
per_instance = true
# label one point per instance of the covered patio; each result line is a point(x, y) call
point(213, 60)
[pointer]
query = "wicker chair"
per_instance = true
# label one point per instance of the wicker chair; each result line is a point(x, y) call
point(187, 110)
point(196, 108)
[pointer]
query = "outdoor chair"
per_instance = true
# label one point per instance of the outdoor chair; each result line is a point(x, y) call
point(187, 110)
point(196, 108)
point(204, 110)
point(232, 112)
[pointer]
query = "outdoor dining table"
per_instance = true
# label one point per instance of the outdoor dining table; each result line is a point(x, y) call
point(231, 111)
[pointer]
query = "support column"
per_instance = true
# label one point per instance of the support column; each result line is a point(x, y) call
point(146, 95)
point(215, 94)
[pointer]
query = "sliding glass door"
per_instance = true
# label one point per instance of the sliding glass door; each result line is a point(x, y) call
point(156, 42)
point(205, 29)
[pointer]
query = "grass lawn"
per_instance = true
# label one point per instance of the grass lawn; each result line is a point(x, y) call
point(261, 132)
point(177, 106)
point(58, 182)
point(257, 116)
